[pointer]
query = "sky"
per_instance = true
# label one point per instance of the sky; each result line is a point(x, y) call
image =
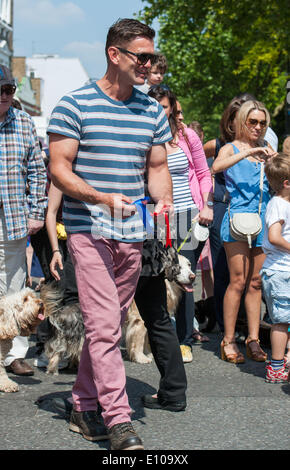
point(76, 28)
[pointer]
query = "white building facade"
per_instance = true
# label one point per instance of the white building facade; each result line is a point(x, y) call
point(6, 32)
point(58, 76)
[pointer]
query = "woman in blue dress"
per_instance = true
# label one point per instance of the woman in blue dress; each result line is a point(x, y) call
point(241, 162)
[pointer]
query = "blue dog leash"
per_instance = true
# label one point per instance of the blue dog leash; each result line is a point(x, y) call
point(145, 214)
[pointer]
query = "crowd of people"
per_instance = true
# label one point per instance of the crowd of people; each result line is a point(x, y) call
point(112, 142)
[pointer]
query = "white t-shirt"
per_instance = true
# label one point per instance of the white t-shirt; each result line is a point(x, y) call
point(144, 88)
point(272, 139)
point(277, 259)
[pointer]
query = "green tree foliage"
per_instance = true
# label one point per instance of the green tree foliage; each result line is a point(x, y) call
point(217, 49)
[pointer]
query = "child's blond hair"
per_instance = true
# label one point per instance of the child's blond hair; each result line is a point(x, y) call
point(277, 170)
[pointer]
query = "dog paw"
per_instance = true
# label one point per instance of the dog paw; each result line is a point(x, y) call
point(8, 386)
point(52, 372)
point(142, 359)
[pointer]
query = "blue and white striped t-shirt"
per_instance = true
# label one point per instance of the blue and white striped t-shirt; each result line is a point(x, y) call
point(114, 138)
point(179, 167)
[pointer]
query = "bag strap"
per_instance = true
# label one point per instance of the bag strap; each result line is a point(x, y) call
point(261, 185)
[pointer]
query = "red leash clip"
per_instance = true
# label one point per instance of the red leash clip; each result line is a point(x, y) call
point(168, 236)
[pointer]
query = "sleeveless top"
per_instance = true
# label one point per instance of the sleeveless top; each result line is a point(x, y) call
point(243, 185)
point(179, 169)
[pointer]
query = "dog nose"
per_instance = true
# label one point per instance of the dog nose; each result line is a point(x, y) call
point(192, 277)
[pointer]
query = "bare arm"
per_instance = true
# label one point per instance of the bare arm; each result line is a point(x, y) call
point(209, 148)
point(54, 201)
point(275, 236)
point(159, 178)
point(227, 158)
point(63, 151)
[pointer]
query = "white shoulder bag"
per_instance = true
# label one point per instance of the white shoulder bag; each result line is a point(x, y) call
point(246, 226)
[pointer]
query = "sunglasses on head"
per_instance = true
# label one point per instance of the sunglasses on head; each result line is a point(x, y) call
point(8, 89)
point(142, 57)
point(255, 122)
point(156, 87)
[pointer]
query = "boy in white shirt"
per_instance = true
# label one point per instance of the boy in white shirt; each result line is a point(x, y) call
point(276, 268)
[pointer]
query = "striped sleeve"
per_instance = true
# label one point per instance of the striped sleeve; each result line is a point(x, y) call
point(162, 133)
point(66, 118)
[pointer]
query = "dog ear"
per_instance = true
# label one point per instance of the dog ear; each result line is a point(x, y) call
point(8, 327)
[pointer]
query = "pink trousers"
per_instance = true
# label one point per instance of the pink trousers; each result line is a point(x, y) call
point(107, 273)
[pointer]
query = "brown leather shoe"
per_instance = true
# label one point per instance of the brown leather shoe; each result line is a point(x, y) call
point(20, 367)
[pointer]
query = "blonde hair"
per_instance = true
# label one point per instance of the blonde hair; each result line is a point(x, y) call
point(277, 170)
point(242, 116)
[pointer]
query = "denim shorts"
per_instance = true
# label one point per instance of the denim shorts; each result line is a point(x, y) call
point(276, 290)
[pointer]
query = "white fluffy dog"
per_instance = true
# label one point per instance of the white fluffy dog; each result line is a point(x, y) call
point(136, 337)
point(20, 313)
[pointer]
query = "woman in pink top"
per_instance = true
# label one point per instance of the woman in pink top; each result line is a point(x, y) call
point(192, 198)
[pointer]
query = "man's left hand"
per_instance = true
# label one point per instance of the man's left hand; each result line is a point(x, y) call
point(164, 206)
point(34, 225)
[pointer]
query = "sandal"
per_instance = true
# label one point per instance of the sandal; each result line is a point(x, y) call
point(254, 350)
point(235, 358)
point(199, 337)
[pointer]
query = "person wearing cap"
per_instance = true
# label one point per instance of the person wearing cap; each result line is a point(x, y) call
point(21, 210)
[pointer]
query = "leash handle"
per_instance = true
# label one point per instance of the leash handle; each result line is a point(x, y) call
point(188, 233)
point(168, 235)
point(145, 214)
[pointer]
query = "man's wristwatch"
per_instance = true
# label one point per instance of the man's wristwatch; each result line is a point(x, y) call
point(209, 203)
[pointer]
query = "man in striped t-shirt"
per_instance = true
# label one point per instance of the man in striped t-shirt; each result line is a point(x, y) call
point(102, 138)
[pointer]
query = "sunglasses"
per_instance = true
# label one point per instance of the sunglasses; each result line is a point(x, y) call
point(142, 57)
point(8, 89)
point(255, 122)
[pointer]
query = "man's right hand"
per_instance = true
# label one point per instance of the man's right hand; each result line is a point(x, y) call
point(120, 206)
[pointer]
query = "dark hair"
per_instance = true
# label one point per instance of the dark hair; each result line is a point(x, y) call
point(229, 114)
point(160, 63)
point(197, 127)
point(159, 92)
point(16, 103)
point(125, 30)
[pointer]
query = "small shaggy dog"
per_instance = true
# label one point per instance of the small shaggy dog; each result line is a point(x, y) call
point(67, 335)
point(136, 337)
point(20, 313)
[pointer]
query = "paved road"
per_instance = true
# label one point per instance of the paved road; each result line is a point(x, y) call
point(229, 407)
